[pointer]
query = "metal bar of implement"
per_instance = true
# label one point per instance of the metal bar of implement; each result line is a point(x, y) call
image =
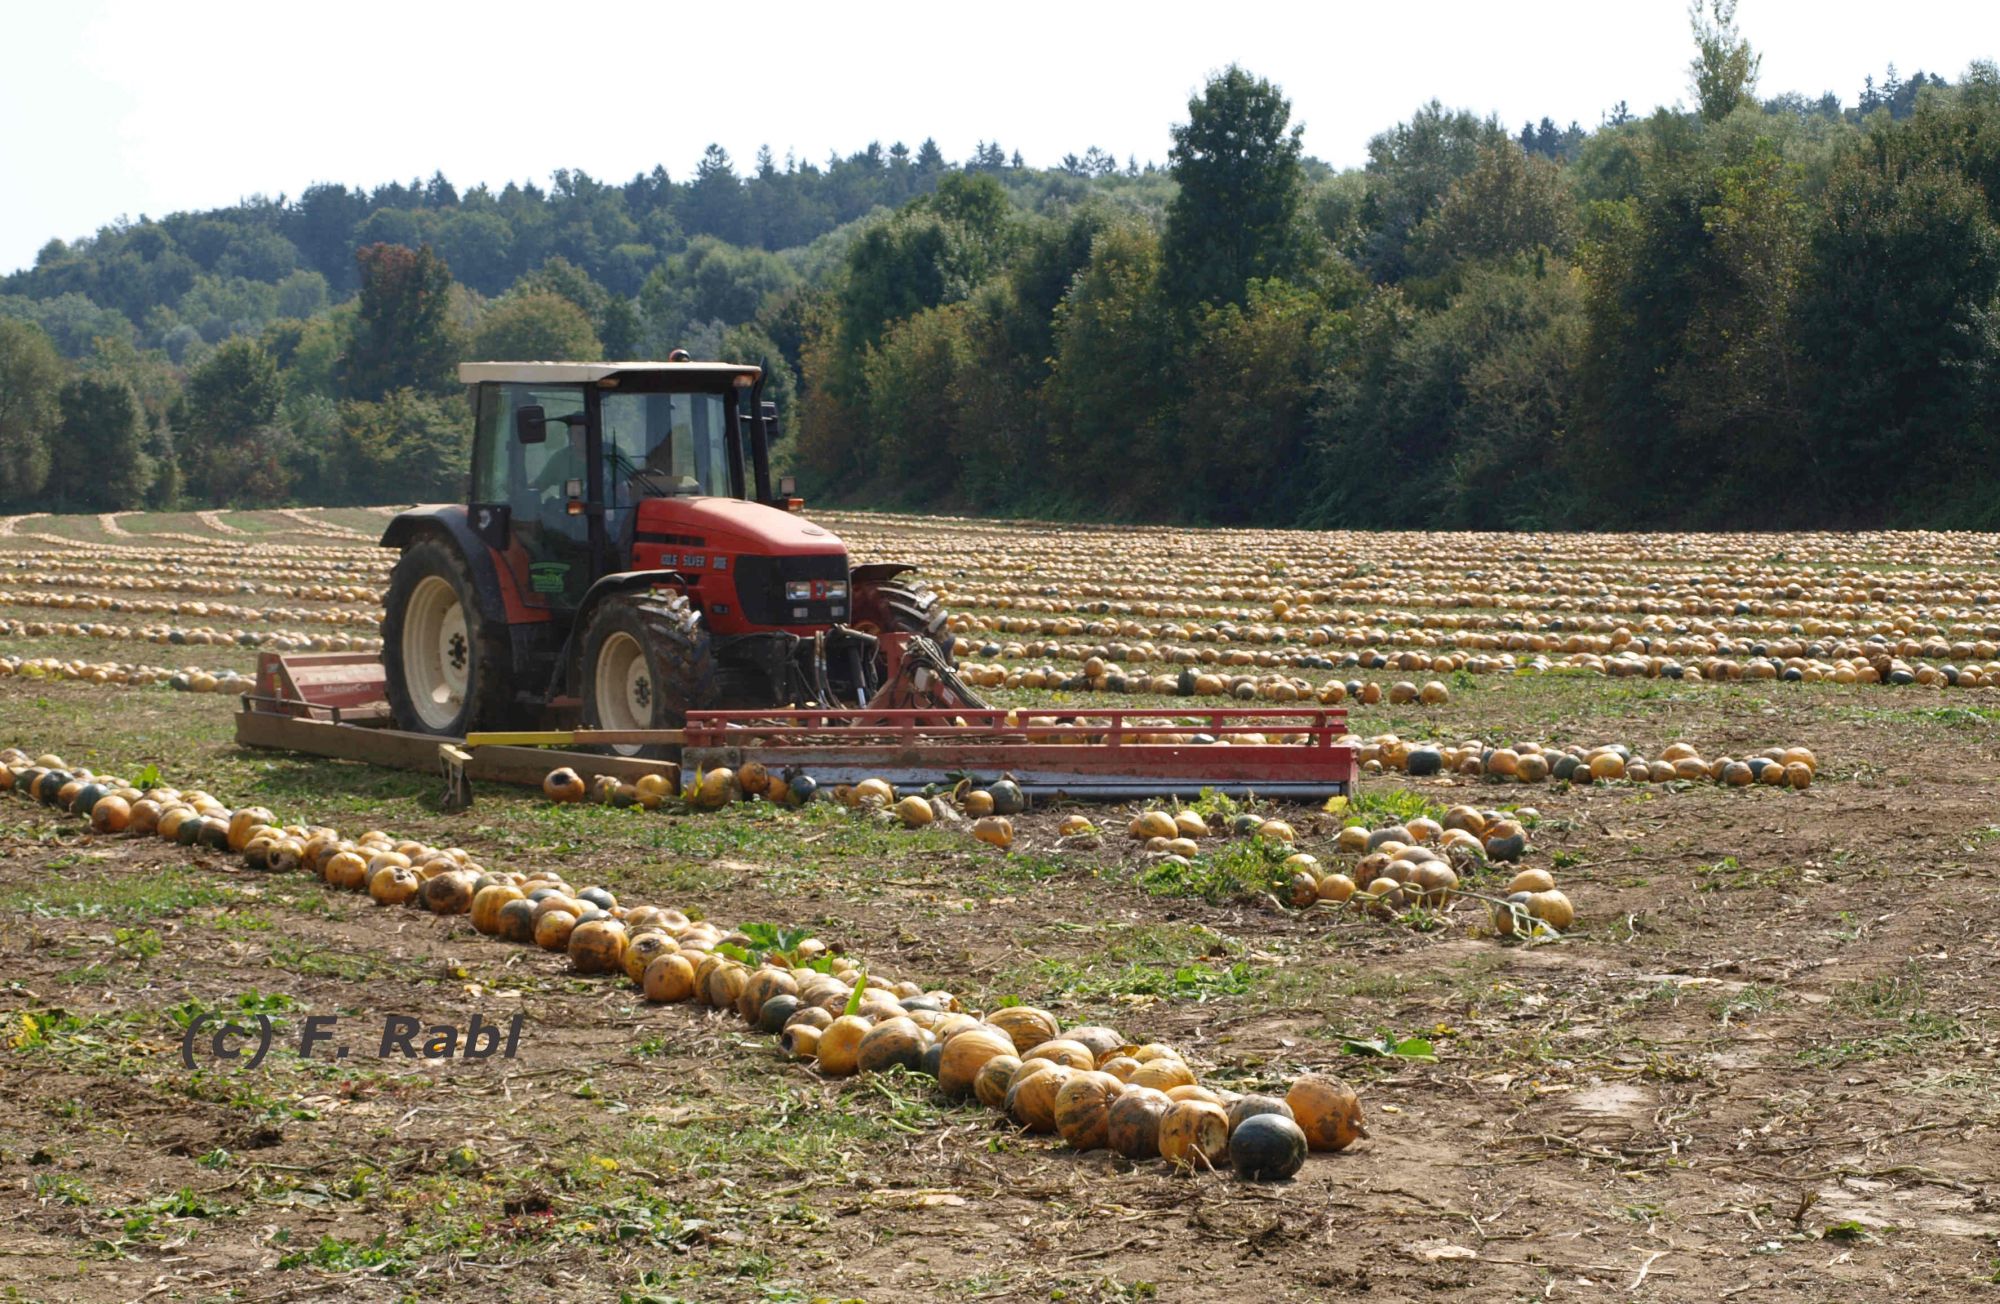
point(1126, 783)
point(576, 738)
point(1296, 752)
point(1116, 722)
point(413, 751)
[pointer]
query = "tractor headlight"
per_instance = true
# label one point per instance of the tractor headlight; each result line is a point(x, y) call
point(798, 590)
point(836, 590)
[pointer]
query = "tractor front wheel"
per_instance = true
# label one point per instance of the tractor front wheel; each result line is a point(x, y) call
point(903, 607)
point(445, 668)
point(646, 662)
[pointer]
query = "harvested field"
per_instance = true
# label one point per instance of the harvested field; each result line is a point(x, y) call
point(1761, 1065)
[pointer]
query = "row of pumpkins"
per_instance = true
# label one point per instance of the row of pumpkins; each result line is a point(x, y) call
point(1219, 637)
point(1778, 767)
point(1073, 571)
point(1276, 686)
point(1179, 833)
point(201, 636)
point(1422, 861)
point(1090, 1084)
point(200, 609)
point(1604, 573)
point(117, 673)
point(207, 581)
point(1385, 881)
point(1418, 863)
point(989, 808)
point(1358, 552)
point(1440, 638)
point(1409, 648)
point(1098, 676)
point(144, 551)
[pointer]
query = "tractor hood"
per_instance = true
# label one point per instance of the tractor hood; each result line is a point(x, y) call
point(730, 524)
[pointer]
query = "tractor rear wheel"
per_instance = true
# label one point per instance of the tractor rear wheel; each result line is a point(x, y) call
point(445, 667)
point(646, 662)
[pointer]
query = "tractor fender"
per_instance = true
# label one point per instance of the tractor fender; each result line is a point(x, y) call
point(876, 572)
point(449, 520)
point(568, 672)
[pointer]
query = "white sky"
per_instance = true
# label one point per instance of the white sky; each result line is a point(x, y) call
point(111, 108)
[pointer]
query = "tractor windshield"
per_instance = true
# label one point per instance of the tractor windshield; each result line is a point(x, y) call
point(658, 445)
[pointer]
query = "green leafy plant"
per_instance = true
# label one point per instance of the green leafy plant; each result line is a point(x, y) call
point(1386, 1043)
point(135, 943)
point(62, 1188)
point(1212, 805)
point(774, 941)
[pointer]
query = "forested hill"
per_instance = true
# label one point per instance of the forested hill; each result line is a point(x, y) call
point(1752, 312)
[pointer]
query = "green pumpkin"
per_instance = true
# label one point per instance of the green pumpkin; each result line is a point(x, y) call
point(776, 1013)
point(1008, 798)
point(50, 786)
point(87, 798)
point(1267, 1148)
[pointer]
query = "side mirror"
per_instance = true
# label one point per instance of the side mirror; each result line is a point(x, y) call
point(788, 486)
point(531, 425)
point(768, 413)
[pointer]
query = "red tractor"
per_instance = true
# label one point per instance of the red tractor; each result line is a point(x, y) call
point(623, 556)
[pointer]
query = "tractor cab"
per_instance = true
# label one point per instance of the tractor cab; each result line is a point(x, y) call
point(576, 466)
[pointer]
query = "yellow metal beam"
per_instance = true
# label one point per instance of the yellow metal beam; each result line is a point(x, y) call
point(531, 738)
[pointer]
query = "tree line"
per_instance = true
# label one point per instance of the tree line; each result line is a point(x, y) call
point(303, 350)
point(1654, 322)
point(1735, 314)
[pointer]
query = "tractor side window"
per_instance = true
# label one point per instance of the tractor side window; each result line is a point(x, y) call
point(551, 560)
point(505, 470)
point(509, 471)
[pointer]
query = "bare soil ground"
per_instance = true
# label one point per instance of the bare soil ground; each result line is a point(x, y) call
point(1761, 1067)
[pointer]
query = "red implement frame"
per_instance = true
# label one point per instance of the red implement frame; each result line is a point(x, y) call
point(321, 685)
point(1112, 755)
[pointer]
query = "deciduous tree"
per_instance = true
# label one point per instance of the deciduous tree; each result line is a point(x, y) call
point(402, 337)
point(97, 461)
point(31, 377)
point(1236, 214)
point(535, 327)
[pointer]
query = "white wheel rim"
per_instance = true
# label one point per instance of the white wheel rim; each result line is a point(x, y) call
point(437, 652)
point(624, 687)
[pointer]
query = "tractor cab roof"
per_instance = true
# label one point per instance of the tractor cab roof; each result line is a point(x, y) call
point(700, 375)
